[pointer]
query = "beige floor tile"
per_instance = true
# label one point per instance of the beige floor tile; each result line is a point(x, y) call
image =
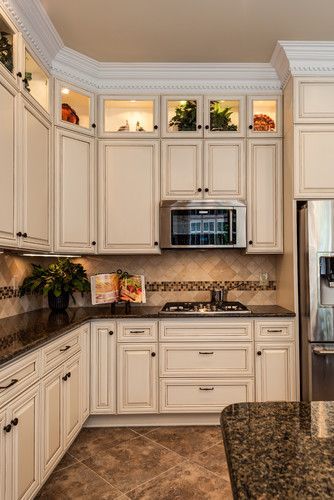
point(213, 459)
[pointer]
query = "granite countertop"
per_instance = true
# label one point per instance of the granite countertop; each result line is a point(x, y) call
point(280, 450)
point(21, 333)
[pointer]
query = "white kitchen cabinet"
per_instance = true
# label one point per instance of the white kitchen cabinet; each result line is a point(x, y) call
point(190, 108)
point(313, 100)
point(85, 371)
point(35, 180)
point(224, 116)
point(275, 371)
point(313, 161)
point(264, 196)
point(9, 160)
point(137, 378)
point(181, 169)
point(129, 197)
point(103, 367)
point(264, 116)
point(75, 193)
point(224, 169)
point(74, 108)
point(72, 399)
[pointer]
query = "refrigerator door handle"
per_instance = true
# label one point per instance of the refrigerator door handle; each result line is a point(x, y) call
point(322, 352)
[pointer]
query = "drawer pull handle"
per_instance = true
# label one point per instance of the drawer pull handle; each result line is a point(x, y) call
point(322, 352)
point(274, 331)
point(206, 388)
point(203, 352)
point(65, 348)
point(15, 421)
point(13, 381)
point(137, 331)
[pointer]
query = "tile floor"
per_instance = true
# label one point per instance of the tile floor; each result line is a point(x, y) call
point(163, 463)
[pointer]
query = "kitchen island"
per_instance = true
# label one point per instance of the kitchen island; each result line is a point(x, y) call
point(280, 449)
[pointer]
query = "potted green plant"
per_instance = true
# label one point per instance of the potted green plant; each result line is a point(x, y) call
point(220, 118)
point(58, 281)
point(185, 117)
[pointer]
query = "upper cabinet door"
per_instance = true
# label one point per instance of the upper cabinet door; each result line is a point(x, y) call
point(8, 148)
point(75, 198)
point(313, 100)
point(224, 169)
point(9, 42)
point(74, 108)
point(224, 116)
point(36, 83)
point(129, 197)
point(35, 185)
point(182, 116)
point(129, 116)
point(264, 116)
point(264, 196)
point(181, 169)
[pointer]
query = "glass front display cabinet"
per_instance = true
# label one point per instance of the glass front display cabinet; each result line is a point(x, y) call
point(182, 117)
point(224, 117)
point(129, 116)
point(75, 108)
point(36, 82)
point(264, 116)
point(8, 49)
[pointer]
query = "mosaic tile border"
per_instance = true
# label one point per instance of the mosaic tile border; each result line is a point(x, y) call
point(9, 292)
point(196, 286)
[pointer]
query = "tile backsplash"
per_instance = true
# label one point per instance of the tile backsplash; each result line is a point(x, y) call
point(172, 276)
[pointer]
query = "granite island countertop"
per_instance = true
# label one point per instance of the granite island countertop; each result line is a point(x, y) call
point(280, 450)
point(23, 332)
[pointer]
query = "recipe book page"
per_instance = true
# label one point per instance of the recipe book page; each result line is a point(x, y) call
point(112, 287)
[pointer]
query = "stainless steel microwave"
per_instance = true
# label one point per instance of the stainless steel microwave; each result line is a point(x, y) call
point(202, 224)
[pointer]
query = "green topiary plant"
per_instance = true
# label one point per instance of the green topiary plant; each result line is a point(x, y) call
point(58, 280)
point(220, 118)
point(185, 116)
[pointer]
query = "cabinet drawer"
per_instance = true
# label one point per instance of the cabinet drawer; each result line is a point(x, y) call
point(205, 330)
point(274, 330)
point(138, 331)
point(18, 376)
point(57, 352)
point(203, 395)
point(205, 359)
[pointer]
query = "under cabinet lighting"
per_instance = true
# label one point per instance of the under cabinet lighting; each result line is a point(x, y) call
point(65, 91)
point(133, 100)
point(50, 255)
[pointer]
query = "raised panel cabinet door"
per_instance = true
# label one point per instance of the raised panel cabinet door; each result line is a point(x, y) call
point(314, 157)
point(52, 415)
point(103, 367)
point(8, 148)
point(26, 433)
point(137, 378)
point(275, 372)
point(75, 199)
point(224, 169)
point(129, 197)
point(72, 398)
point(181, 169)
point(314, 100)
point(36, 165)
point(264, 196)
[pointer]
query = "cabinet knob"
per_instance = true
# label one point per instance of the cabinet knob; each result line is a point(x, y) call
point(259, 353)
point(7, 428)
point(19, 234)
point(250, 242)
point(24, 235)
point(155, 127)
point(68, 374)
point(15, 421)
point(153, 354)
point(156, 243)
point(199, 190)
point(250, 127)
point(206, 190)
point(19, 74)
point(93, 125)
point(93, 243)
point(111, 332)
point(207, 127)
point(64, 378)
point(199, 127)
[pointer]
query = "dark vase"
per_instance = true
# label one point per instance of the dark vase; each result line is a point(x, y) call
point(58, 303)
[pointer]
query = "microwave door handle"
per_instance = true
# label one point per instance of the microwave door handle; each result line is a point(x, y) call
point(322, 352)
point(231, 226)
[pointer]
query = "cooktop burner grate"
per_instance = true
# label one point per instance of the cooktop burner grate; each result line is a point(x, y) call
point(203, 308)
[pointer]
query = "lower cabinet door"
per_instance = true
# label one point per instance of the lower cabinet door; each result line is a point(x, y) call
point(24, 416)
point(137, 378)
point(3, 455)
point(275, 372)
point(72, 398)
point(203, 395)
point(52, 420)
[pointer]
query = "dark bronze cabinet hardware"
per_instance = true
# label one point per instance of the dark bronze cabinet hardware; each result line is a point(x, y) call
point(153, 354)
point(19, 234)
point(24, 235)
point(93, 243)
point(203, 352)
point(274, 331)
point(15, 421)
point(19, 74)
point(250, 127)
point(207, 127)
point(199, 127)
point(155, 127)
point(206, 190)
point(7, 428)
point(206, 388)
point(93, 125)
point(259, 353)
point(64, 378)
point(156, 243)
point(199, 190)
point(250, 242)
point(65, 348)
point(12, 382)
point(137, 331)
point(111, 332)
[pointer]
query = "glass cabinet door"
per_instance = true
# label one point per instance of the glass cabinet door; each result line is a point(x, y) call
point(224, 117)
point(36, 82)
point(182, 116)
point(7, 48)
point(75, 108)
point(122, 116)
point(264, 116)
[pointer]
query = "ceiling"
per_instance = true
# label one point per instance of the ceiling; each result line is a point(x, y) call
point(188, 30)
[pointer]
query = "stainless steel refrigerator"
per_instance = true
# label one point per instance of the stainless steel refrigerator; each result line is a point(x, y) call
point(316, 299)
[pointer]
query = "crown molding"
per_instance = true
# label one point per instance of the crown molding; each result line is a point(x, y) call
point(303, 59)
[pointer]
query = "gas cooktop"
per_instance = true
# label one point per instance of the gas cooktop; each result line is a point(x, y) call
point(203, 308)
